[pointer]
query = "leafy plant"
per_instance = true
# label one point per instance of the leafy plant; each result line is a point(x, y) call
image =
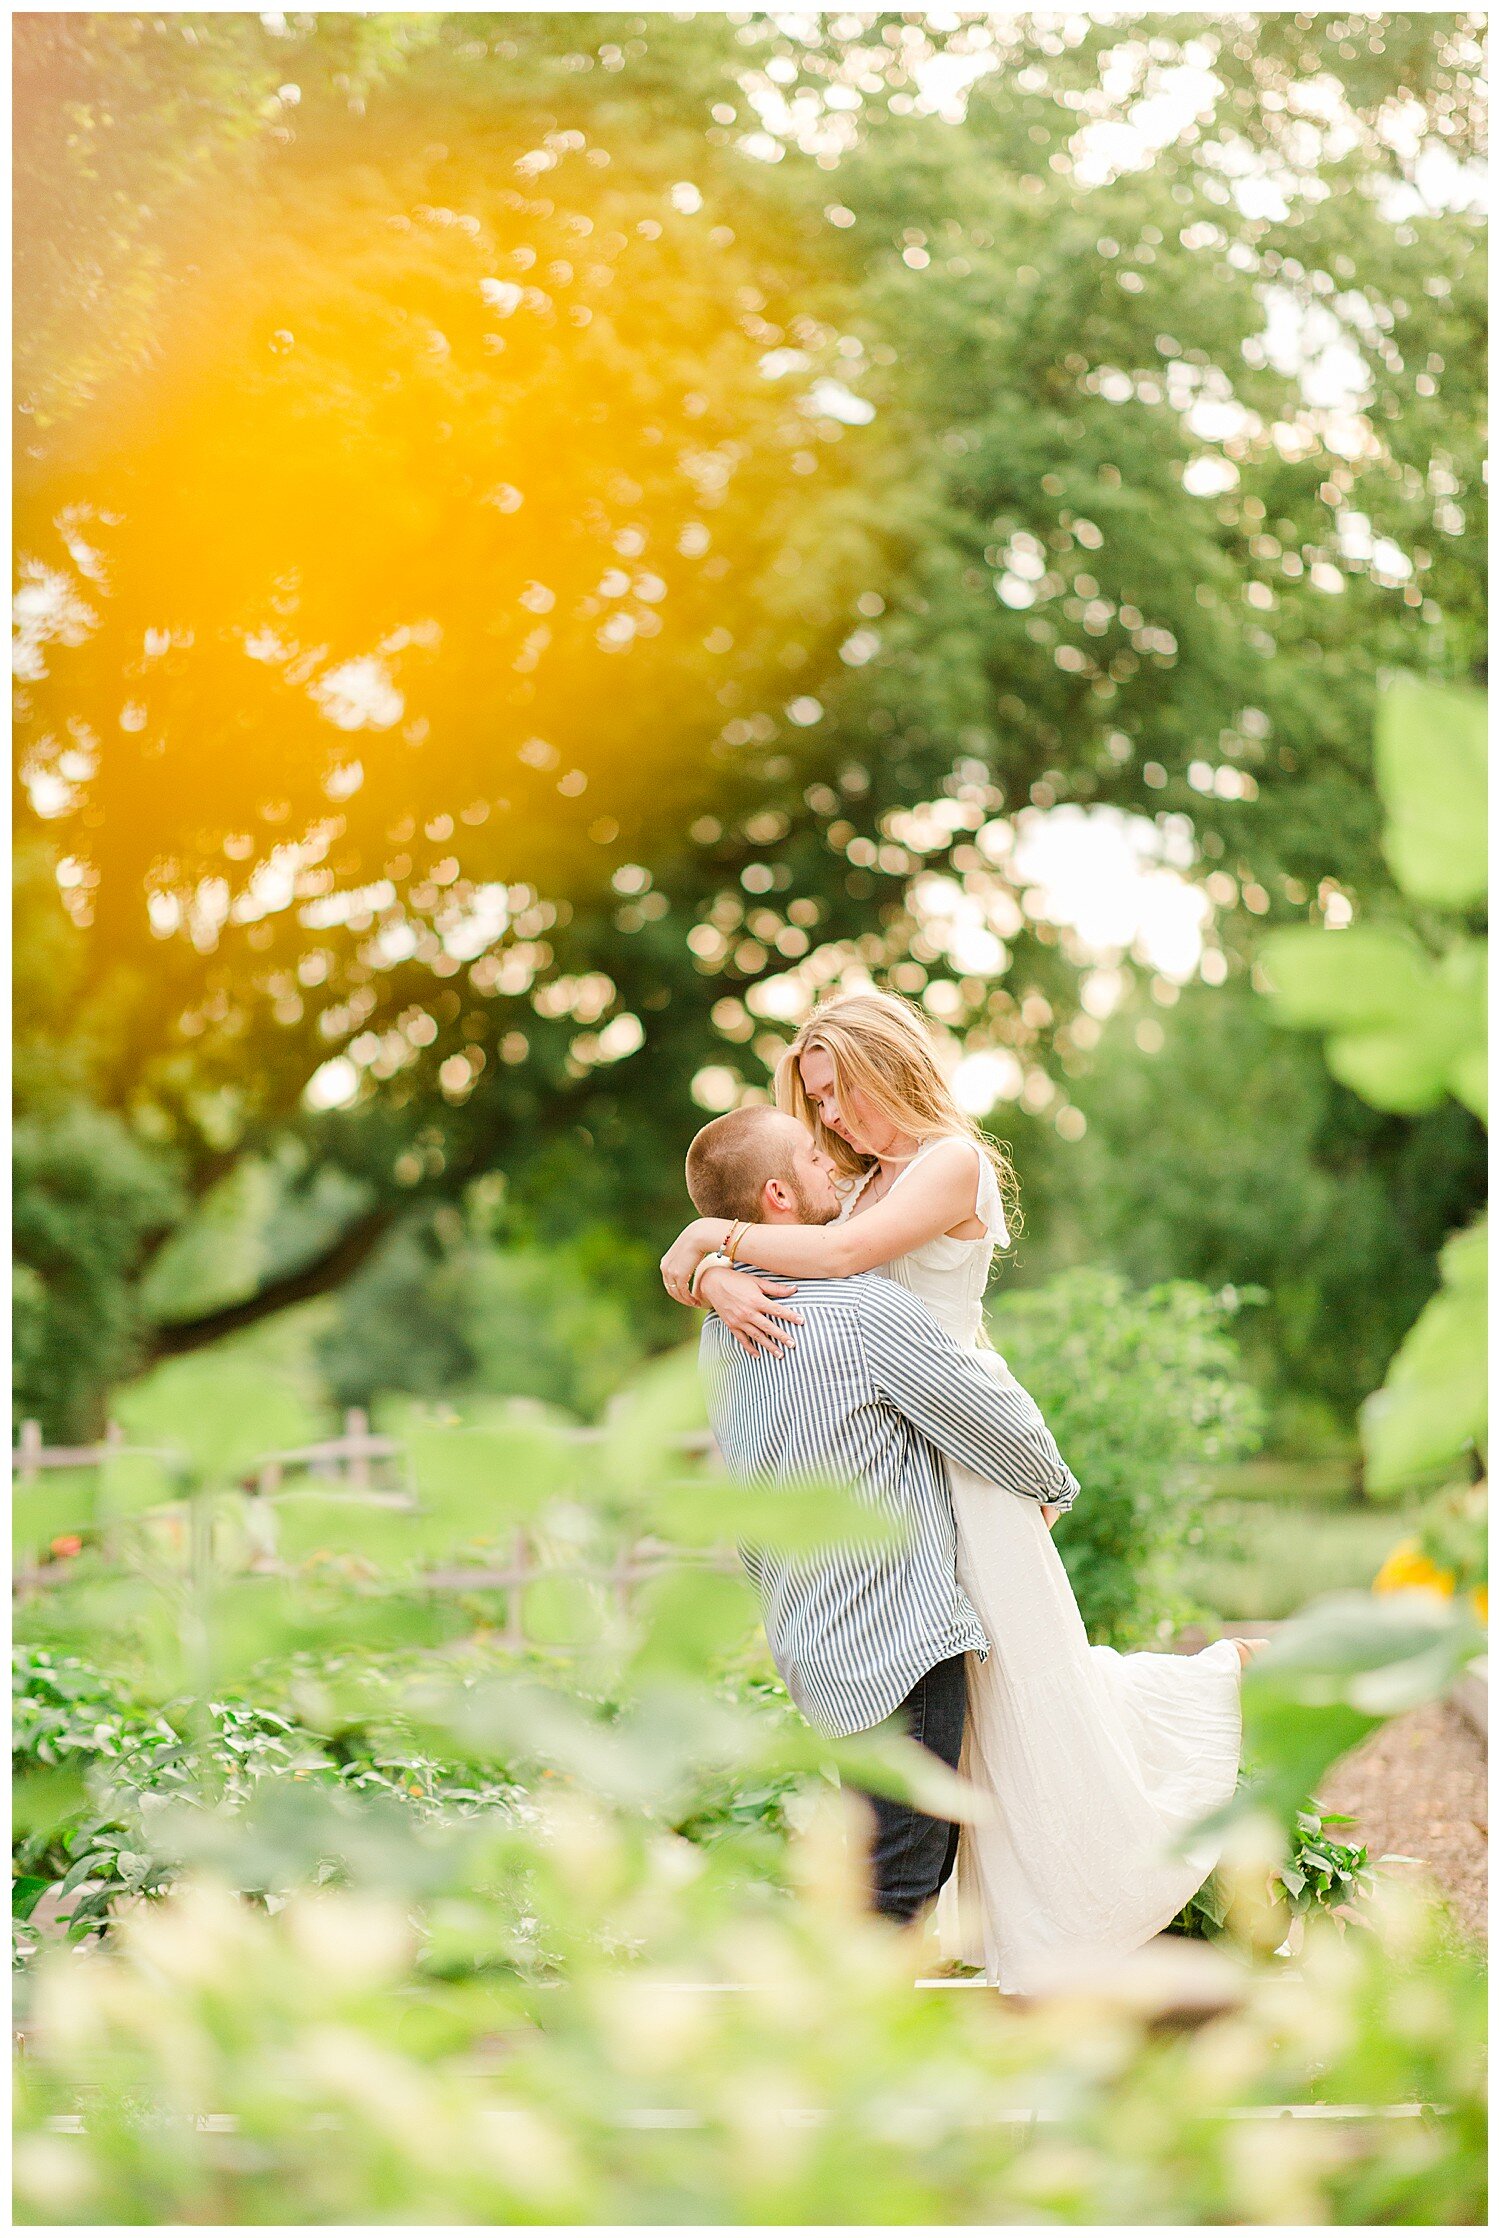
point(487, 1885)
point(1318, 1874)
point(805, 2083)
point(150, 1785)
point(1323, 1874)
point(1404, 1009)
point(1141, 1390)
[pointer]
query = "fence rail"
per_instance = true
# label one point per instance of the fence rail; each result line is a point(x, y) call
point(349, 1461)
point(347, 1457)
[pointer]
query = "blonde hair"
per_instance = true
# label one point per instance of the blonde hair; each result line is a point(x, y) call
point(880, 1047)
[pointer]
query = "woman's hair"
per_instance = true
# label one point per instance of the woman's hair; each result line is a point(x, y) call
point(879, 1046)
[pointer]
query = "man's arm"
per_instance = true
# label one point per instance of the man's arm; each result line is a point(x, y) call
point(995, 1429)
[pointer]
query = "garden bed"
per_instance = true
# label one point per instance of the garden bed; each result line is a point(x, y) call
point(1417, 1791)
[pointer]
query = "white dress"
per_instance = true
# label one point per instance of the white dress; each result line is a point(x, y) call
point(1096, 1762)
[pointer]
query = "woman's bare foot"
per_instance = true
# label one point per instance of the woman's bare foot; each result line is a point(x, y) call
point(1246, 1648)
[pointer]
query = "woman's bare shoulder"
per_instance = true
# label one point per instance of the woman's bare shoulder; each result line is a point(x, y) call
point(950, 1157)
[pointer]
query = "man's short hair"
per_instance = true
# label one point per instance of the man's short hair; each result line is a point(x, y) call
point(730, 1161)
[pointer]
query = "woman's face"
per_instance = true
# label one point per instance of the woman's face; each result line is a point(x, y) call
point(851, 1116)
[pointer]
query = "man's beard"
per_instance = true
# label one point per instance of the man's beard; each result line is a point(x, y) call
point(810, 1214)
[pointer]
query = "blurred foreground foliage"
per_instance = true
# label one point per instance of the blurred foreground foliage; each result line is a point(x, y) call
point(809, 2086)
point(1403, 1004)
point(576, 1936)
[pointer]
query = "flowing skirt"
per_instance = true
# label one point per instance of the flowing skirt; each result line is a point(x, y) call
point(1097, 1763)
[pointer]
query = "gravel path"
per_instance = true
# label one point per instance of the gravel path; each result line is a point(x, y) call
point(1417, 1788)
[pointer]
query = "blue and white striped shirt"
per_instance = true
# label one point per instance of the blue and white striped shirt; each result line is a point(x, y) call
point(869, 1390)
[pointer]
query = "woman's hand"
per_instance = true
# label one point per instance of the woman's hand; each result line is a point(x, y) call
point(745, 1303)
point(681, 1263)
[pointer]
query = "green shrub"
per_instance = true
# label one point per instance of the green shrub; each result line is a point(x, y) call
point(117, 1827)
point(443, 1311)
point(1142, 1390)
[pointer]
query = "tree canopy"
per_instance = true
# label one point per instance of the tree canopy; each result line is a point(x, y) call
point(545, 541)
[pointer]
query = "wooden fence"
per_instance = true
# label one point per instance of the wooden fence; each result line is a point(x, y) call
point(369, 1467)
point(346, 1459)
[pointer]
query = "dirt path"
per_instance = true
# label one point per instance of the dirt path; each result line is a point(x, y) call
point(1417, 1788)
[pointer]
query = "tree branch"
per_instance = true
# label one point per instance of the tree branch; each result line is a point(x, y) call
point(341, 1260)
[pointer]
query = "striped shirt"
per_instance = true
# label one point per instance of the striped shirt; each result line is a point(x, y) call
point(870, 1396)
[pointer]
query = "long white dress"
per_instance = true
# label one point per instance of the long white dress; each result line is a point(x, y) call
point(1096, 1762)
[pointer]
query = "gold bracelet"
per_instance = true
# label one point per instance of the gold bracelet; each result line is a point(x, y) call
point(733, 1240)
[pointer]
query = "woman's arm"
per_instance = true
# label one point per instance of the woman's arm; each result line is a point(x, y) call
point(746, 1304)
point(940, 1196)
point(683, 1258)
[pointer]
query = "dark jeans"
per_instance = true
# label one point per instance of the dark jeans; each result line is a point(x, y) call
point(911, 1855)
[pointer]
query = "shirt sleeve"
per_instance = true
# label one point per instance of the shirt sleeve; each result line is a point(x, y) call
point(994, 1429)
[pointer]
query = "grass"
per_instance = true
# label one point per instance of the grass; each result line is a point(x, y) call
point(1289, 1530)
point(1323, 1481)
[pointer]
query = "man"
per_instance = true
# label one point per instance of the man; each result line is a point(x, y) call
point(871, 1395)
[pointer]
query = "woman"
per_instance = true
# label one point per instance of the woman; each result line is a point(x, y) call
point(1098, 1762)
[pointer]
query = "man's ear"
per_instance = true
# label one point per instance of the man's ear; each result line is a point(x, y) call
point(775, 1196)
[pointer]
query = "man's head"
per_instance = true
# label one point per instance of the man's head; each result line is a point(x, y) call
point(763, 1165)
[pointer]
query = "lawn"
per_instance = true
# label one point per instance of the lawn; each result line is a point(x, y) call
point(1291, 1529)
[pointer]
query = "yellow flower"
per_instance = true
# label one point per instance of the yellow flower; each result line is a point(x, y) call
point(1479, 1602)
point(1406, 1566)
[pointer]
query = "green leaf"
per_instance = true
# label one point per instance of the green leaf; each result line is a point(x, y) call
point(1369, 975)
point(1430, 765)
point(130, 1483)
point(1434, 1404)
point(1464, 976)
point(223, 1416)
point(1405, 1029)
point(253, 1619)
point(888, 1762)
point(691, 1617)
point(790, 1518)
point(85, 1868)
point(44, 1802)
point(564, 1611)
point(472, 1480)
point(317, 1522)
point(26, 1892)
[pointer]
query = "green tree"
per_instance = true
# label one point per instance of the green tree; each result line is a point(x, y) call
point(348, 741)
point(1222, 1151)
